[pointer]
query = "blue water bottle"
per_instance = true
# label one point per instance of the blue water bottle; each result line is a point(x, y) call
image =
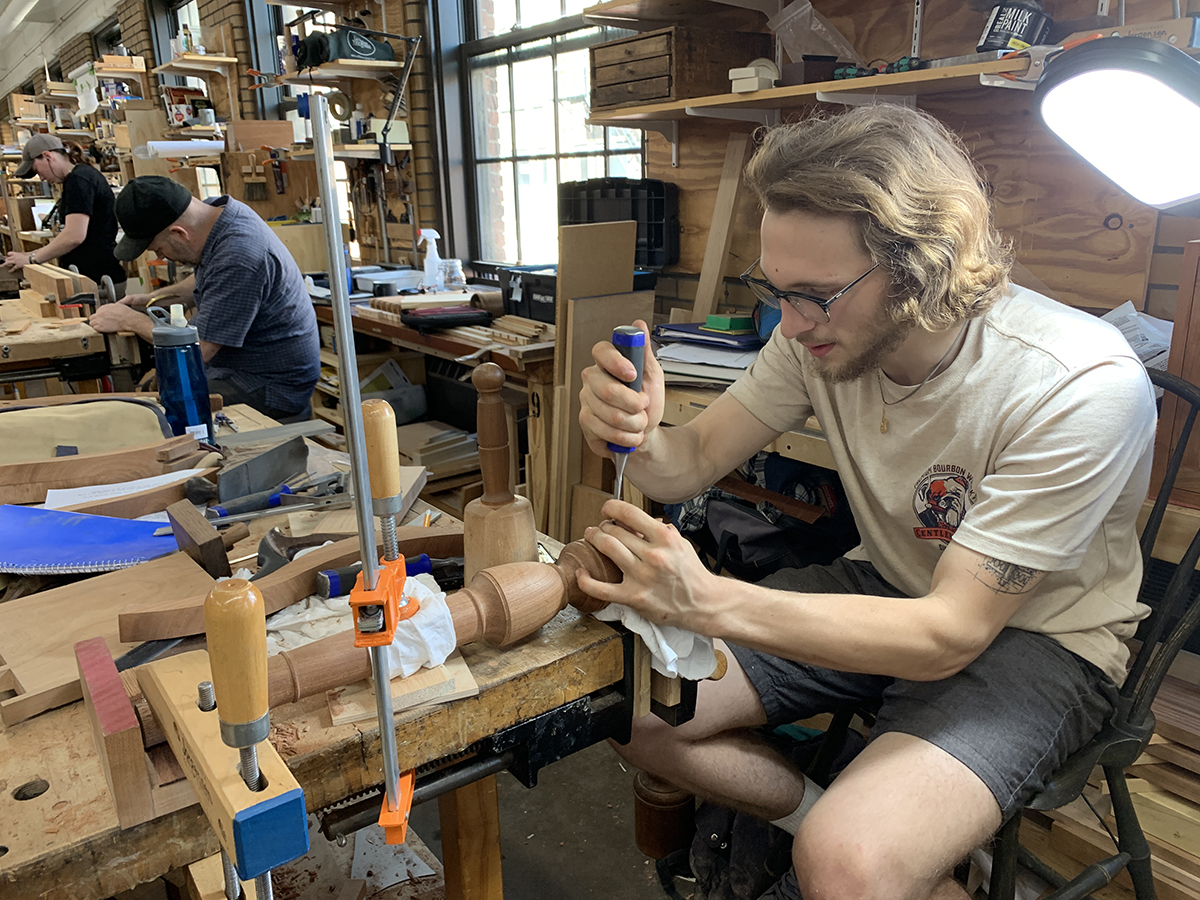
point(182, 385)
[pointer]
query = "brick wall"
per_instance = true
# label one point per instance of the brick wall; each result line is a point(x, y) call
point(422, 115)
point(75, 52)
point(223, 23)
point(135, 35)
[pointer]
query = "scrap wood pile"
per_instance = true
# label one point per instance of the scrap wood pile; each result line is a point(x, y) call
point(451, 457)
point(1165, 786)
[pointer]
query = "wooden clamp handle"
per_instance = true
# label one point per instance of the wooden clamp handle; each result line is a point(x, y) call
point(383, 454)
point(236, 621)
point(492, 429)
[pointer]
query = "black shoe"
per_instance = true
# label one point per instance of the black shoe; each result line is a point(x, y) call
point(786, 888)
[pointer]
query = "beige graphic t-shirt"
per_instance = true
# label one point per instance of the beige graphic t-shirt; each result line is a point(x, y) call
point(1033, 447)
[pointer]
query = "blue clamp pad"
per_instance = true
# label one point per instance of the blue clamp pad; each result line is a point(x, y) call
point(269, 834)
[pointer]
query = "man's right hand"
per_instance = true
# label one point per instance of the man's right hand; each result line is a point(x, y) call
point(138, 301)
point(609, 409)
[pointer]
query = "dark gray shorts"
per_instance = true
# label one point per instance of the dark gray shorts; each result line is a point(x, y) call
point(1012, 716)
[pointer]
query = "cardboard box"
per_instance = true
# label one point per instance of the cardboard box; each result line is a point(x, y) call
point(136, 63)
point(1183, 33)
point(23, 106)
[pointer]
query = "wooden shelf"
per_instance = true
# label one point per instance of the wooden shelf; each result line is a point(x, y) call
point(329, 358)
point(648, 15)
point(340, 69)
point(76, 133)
point(330, 415)
point(924, 81)
point(54, 98)
point(351, 151)
point(122, 72)
point(196, 64)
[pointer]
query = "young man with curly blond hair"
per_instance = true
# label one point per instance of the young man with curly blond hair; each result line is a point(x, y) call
point(995, 448)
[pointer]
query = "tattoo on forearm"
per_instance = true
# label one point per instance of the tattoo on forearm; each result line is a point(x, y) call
point(1008, 578)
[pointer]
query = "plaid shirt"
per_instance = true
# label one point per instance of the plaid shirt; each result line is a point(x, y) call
point(251, 299)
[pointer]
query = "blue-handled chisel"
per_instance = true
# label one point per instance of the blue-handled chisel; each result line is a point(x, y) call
point(630, 342)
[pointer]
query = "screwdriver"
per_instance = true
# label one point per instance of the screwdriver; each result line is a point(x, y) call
point(630, 342)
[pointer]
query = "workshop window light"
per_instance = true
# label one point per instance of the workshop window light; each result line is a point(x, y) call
point(1131, 108)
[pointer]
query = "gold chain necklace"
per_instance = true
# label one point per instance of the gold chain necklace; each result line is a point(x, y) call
point(883, 422)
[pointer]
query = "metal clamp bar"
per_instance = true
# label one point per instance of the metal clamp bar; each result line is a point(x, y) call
point(344, 338)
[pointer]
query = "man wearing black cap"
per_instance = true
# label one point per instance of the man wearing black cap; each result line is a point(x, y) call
point(258, 334)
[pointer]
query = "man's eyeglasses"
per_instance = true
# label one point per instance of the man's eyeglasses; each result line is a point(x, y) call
point(815, 309)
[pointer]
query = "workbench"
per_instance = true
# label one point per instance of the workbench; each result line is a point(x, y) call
point(34, 348)
point(65, 842)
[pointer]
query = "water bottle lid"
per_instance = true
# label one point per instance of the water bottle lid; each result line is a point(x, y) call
point(167, 333)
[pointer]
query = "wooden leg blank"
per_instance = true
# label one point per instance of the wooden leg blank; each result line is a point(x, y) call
point(470, 818)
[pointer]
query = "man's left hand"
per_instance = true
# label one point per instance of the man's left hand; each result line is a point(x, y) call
point(664, 579)
point(16, 260)
point(113, 317)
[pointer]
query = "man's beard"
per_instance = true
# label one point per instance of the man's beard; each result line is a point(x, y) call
point(885, 337)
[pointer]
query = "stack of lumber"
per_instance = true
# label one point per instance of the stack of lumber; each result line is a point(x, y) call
point(1165, 784)
point(452, 458)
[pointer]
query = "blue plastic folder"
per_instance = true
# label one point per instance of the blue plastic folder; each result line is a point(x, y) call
point(50, 541)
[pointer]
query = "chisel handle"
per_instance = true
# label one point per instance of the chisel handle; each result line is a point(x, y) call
point(630, 342)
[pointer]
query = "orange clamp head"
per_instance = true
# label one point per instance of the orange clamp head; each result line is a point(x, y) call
point(389, 596)
point(395, 822)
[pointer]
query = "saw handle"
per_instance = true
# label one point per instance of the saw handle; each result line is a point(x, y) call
point(236, 622)
point(383, 454)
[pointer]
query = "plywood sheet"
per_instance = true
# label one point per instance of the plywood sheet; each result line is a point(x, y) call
point(38, 632)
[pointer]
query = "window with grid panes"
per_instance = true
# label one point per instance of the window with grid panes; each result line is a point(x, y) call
point(530, 98)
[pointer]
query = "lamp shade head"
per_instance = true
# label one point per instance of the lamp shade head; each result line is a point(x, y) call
point(1131, 107)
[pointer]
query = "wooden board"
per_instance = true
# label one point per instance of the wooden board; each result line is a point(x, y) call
point(38, 632)
point(28, 482)
point(471, 852)
point(720, 234)
point(1177, 710)
point(593, 260)
point(139, 503)
point(589, 320)
point(452, 680)
point(184, 615)
point(115, 728)
point(306, 243)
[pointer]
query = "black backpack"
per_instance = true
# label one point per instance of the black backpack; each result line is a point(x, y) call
point(752, 540)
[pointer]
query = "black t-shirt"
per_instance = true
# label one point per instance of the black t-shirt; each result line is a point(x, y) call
point(85, 191)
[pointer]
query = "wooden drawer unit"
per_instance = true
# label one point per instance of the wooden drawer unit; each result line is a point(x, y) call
point(671, 64)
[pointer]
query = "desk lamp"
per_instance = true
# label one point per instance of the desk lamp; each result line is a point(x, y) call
point(1130, 106)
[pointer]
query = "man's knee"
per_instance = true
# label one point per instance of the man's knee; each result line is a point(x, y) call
point(832, 860)
point(653, 745)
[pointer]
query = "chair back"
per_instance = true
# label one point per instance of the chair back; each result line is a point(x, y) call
point(1177, 614)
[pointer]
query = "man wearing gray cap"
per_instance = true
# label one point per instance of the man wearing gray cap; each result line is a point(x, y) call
point(89, 230)
point(258, 333)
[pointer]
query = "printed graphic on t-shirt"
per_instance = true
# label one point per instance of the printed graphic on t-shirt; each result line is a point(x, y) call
point(941, 499)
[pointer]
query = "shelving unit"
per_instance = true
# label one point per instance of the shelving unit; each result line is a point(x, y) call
point(124, 73)
point(332, 73)
point(204, 66)
point(746, 106)
point(647, 15)
point(351, 151)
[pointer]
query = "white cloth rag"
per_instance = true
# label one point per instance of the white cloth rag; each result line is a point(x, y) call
point(428, 637)
point(673, 651)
